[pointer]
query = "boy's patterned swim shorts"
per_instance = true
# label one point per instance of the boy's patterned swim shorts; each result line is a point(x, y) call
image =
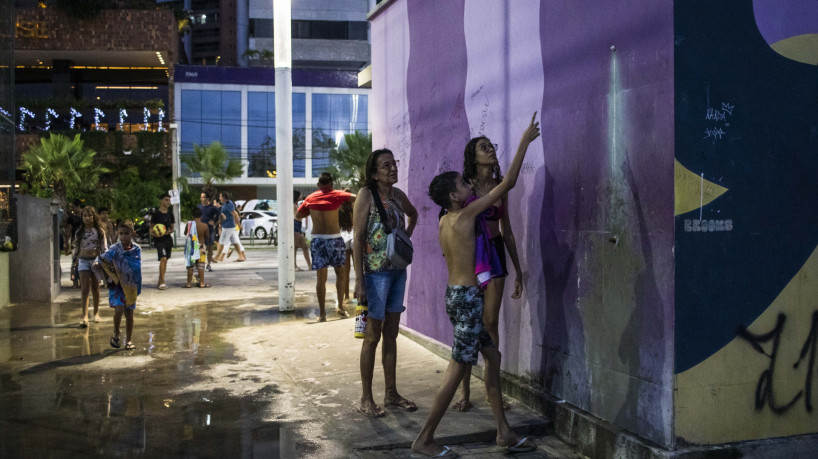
point(464, 305)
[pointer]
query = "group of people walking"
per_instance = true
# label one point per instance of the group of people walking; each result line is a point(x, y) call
point(475, 235)
point(103, 254)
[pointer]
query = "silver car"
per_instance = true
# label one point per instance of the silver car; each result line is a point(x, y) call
point(259, 224)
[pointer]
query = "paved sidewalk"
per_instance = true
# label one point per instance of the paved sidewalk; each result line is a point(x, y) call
point(243, 347)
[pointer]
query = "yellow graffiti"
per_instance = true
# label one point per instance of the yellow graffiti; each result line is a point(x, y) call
point(32, 29)
point(801, 48)
point(689, 188)
point(717, 400)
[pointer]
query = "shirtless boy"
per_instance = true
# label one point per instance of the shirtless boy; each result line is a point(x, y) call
point(327, 247)
point(464, 301)
point(198, 233)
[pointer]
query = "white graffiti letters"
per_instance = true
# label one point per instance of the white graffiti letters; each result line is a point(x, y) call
point(705, 226)
point(719, 116)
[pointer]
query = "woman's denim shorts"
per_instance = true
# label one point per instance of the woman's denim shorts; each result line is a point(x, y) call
point(384, 292)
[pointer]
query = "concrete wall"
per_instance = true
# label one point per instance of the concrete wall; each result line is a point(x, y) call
point(34, 275)
point(111, 30)
point(746, 240)
point(595, 323)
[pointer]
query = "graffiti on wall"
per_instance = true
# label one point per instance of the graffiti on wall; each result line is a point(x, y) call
point(765, 391)
point(746, 133)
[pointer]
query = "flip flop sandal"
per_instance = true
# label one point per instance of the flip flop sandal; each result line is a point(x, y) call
point(204, 286)
point(521, 447)
point(447, 452)
point(130, 347)
point(371, 413)
point(462, 406)
point(188, 286)
point(163, 287)
point(402, 404)
point(115, 343)
point(83, 324)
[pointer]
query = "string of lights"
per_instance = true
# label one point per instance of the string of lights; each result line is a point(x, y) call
point(74, 113)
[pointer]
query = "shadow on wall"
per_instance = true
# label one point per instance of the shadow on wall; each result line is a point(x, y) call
point(560, 313)
point(646, 324)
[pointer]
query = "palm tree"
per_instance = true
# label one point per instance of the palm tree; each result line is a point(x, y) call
point(267, 55)
point(60, 166)
point(214, 164)
point(251, 54)
point(349, 160)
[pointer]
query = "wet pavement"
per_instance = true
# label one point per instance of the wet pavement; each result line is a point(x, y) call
point(216, 372)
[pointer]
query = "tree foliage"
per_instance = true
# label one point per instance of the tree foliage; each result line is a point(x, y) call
point(213, 164)
point(132, 192)
point(60, 166)
point(349, 160)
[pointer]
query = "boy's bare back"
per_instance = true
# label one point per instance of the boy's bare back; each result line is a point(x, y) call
point(202, 230)
point(457, 239)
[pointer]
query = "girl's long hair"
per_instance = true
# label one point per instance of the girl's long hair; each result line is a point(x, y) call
point(470, 162)
point(97, 225)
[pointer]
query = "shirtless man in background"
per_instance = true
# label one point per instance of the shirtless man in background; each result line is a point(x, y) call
point(327, 247)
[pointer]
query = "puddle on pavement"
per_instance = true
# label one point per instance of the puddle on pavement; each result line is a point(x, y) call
point(54, 403)
point(73, 421)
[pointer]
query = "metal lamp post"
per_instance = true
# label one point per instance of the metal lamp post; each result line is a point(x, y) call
point(282, 44)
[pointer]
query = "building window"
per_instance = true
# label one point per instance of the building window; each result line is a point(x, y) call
point(261, 136)
point(261, 28)
point(330, 30)
point(326, 30)
point(334, 115)
point(209, 116)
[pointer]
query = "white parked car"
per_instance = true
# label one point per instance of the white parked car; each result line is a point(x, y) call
point(259, 224)
point(263, 205)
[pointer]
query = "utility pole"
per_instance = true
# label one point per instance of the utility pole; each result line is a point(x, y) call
point(176, 208)
point(282, 44)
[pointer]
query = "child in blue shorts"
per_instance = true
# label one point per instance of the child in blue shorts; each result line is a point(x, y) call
point(122, 267)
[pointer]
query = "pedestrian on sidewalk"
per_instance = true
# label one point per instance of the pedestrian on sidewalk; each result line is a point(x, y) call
point(121, 267)
point(464, 300)
point(210, 214)
point(230, 228)
point(481, 171)
point(379, 284)
point(346, 222)
point(327, 246)
point(73, 223)
point(196, 254)
point(162, 223)
point(90, 243)
point(300, 239)
point(107, 225)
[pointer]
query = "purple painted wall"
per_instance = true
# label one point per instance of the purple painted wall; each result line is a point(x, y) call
point(595, 324)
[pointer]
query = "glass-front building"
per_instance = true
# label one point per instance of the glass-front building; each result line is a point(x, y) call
point(240, 113)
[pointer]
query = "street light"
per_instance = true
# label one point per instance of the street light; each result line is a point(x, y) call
point(282, 44)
